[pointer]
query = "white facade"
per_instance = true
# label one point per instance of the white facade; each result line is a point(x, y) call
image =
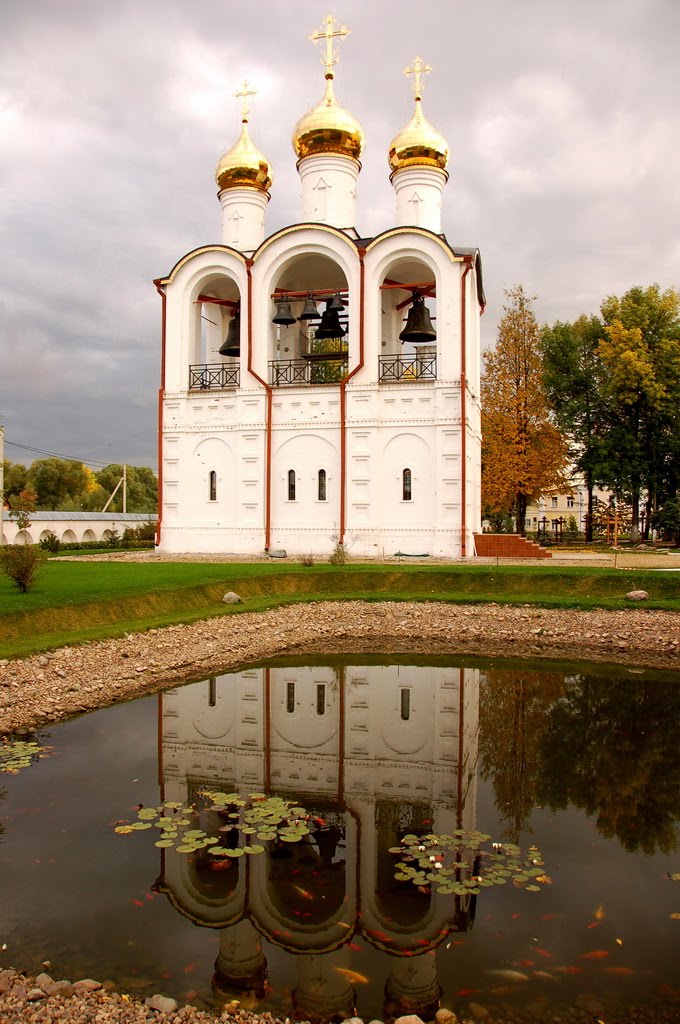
point(71, 527)
point(374, 769)
point(279, 448)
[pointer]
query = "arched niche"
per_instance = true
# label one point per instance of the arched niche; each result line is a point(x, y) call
point(216, 299)
point(297, 277)
point(89, 536)
point(69, 537)
point(23, 537)
point(402, 277)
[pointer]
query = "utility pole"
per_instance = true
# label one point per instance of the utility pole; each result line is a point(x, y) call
point(2, 483)
point(124, 489)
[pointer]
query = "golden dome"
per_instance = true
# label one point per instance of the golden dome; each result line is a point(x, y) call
point(328, 128)
point(244, 166)
point(418, 144)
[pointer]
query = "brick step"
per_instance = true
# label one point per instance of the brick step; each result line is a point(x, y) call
point(508, 545)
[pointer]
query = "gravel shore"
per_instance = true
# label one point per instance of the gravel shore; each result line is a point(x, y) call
point(47, 688)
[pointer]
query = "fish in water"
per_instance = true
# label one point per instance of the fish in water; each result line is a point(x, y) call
point(353, 976)
point(508, 975)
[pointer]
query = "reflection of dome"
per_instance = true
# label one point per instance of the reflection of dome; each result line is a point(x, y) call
point(418, 144)
point(328, 128)
point(244, 166)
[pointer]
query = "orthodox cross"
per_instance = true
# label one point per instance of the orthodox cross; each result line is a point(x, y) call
point(242, 93)
point(329, 33)
point(418, 69)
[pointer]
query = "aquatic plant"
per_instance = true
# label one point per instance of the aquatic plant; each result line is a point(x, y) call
point(18, 754)
point(456, 864)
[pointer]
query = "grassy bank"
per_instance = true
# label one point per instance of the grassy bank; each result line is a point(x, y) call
point(77, 601)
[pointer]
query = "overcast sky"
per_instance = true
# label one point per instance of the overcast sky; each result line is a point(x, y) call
point(562, 118)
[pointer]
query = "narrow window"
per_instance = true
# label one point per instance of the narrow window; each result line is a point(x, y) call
point(291, 485)
point(405, 705)
point(322, 485)
point(213, 485)
point(212, 691)
point(320, 698)
point(290, 698)
point(406, 485)
point(554, 502)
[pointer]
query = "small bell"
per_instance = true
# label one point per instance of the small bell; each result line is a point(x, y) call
point(330, 326)
point(231, 346)
point(310, 312)
point(418, 329)
point(336, 304)
point(284, 313)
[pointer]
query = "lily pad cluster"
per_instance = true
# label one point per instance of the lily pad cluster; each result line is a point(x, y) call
point(457, 865)
point(18, 754)
point(255, 819)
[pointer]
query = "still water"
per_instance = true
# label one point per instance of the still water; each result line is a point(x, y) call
point(581, 771)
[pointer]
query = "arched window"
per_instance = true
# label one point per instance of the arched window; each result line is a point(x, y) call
point(320, 698)
point(291, 485)
point(406, 485)
point(290, 698)
point(322, 485)
point(213, 485)
point(212, 692)
point(405, 705)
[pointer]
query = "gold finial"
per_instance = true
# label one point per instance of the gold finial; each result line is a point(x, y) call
point(418, 69)
point(242, 93)
point(329, 33)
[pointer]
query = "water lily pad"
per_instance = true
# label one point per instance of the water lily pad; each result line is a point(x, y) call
point(147, 813)
point(533, 888)
point(186, 848)
point(172, 804)
point(253, 849)
point(123, 829)
point(140, 825)
point(164, 843)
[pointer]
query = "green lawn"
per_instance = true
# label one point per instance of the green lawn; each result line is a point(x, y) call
point(76, 601)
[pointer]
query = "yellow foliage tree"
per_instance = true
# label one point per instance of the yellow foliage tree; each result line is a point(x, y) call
point(524, 455)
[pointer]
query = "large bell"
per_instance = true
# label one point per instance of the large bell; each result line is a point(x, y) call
point(310, 312)
point(336, 304)
point(284, 313)
point(330, 326)
point(231, 346)
point(419, 329)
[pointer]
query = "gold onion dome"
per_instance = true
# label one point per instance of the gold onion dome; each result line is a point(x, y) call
point(418, 144)
point(328, 128)
point(244, 165)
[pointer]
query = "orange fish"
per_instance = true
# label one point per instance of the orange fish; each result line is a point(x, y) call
point(549, 917)
point(353, 976)
point(594, 954)
point(569, 969)
point(599, 913)
point(137, 903)
point(619, 970)
point(465, 992)
point(542, 952)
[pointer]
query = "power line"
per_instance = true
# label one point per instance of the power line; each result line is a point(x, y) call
point(57, 455)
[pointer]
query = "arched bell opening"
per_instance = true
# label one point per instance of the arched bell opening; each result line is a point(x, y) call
point(408, 313)
point(216, 336)
point(309, 339)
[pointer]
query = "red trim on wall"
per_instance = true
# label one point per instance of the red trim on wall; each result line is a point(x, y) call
point(461, 747)
point(161, 396)
point(463, 411)
point(268, 437)
point(343, 400)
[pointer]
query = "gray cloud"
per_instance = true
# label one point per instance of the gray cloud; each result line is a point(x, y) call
point(562, 121)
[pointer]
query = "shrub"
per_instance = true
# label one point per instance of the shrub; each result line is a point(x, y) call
point(307, 559)
point(50, 542)
point(22, 564)
point(338, 555)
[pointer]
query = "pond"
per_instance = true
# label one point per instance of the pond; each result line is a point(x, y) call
point(359, 834)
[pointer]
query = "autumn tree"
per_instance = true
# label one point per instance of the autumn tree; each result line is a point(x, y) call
point(524, 454)
point(641, 355)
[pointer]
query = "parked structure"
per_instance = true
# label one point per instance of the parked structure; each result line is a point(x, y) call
point(297, 409)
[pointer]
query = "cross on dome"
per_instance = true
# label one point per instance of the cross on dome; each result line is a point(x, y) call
point(331, 57)
point(243, 92)
point(418, 70)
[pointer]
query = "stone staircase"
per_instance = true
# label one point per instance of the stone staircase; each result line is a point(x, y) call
point(508, 545)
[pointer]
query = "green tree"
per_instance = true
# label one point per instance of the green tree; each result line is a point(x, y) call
point(574, 379)
point(58, 481)
point(141, 486)
point(16, 479)
point(641, 356)
point(523, 452)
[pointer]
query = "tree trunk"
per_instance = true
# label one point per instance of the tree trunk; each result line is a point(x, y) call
point(521, 514)
point(589, 513)
point(635, 516)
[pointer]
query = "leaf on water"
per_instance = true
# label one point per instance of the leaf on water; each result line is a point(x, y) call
point(532, 888)
point(123, 829)
point(140, 825)
point(186, 848)
point(164, 843)
point(675, 877)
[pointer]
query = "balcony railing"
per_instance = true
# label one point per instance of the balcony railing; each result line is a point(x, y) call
point(422, 366)
point(209, 376)
point(290, 372)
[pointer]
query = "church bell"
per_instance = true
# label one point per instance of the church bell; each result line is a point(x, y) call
point(336, 304)
point(310, 312)
point(419, 329)
point(330, 326)
point(231, 346)
point(284, 313)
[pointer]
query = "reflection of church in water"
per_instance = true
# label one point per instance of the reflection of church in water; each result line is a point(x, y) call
point(369, 770)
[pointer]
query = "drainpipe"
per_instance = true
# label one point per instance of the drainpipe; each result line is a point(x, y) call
point(268, 438)
point(463, 413)
point(343, 399)
point(161, 396)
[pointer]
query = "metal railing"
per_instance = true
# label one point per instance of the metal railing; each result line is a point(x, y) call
point(208, 376)
point(422, 366)
point(289, 372)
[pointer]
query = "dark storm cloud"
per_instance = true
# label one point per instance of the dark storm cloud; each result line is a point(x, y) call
point(562, 122)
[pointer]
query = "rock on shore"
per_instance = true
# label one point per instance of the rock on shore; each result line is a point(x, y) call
point(46, 688)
